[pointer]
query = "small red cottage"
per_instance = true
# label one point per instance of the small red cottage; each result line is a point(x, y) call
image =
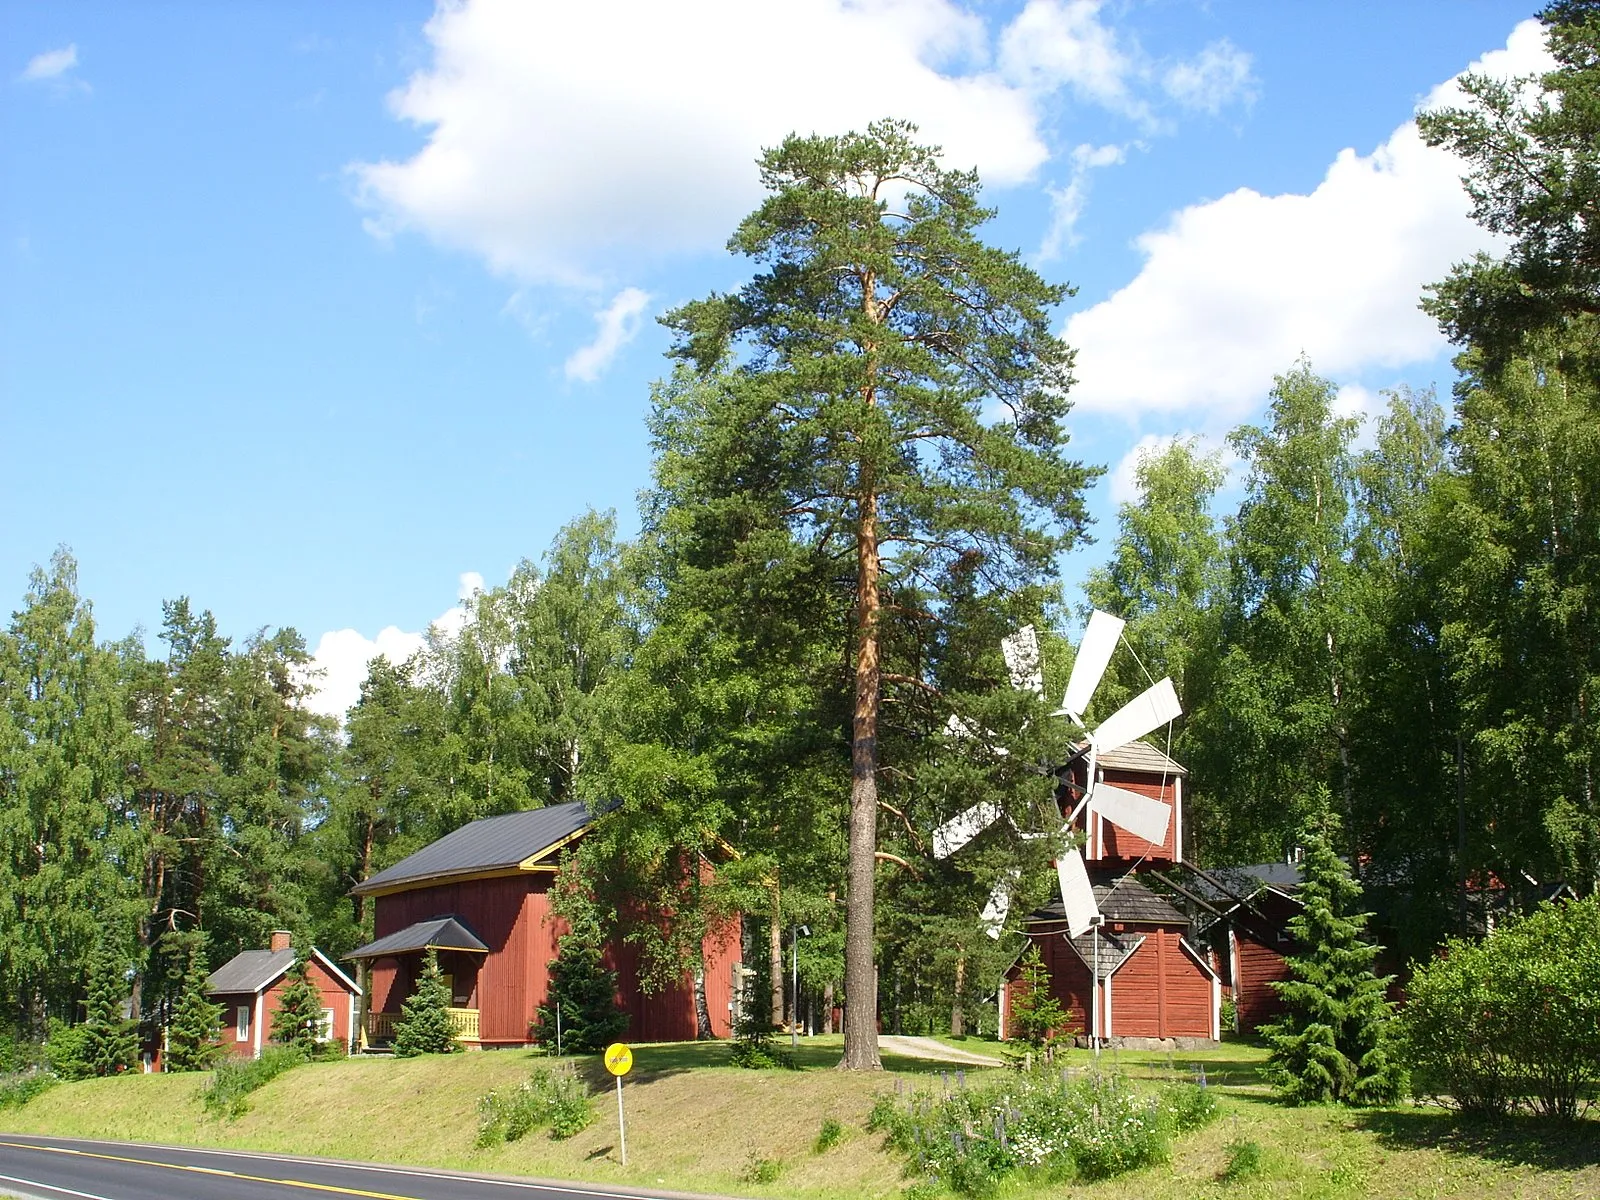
point(1136, 980)
point(250, 985)
point(479, 897)
point(1251, 937)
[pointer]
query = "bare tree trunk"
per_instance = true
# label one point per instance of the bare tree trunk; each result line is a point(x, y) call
point(827, 1007)
point(775, 958)
point(702, 1010)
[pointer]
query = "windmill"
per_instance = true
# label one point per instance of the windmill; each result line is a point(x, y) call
point(1139, 815)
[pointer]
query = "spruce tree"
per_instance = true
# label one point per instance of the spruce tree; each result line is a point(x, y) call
point(1037, 1017)
point(580, 982)
point(424, 1026)
point(298, 1020)
point(1331, 1044)
point(192, 1034)
point(110, 1044)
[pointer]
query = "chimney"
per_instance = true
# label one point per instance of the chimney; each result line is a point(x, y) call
point(281, 940)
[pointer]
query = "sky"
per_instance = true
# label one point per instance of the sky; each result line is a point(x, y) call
point(326, 315)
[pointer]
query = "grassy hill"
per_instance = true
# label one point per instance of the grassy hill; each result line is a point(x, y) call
point(696, 1125)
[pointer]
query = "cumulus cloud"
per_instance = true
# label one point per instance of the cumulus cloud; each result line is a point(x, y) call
point(342, 656)
point(565, 140)
point(1215, 78)
point(1232, 290)
point(616, 325)
point(52, 66)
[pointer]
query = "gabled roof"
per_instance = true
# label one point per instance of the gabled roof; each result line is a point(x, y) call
point(505, 844)
point(255, 971)
point(1113, 950)
point(1126, 900)
point(441, 933)
point(1141, 756)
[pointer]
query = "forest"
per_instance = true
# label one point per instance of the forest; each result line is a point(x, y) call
point(860, 484)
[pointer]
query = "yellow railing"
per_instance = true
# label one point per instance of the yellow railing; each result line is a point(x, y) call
point(380, 1025)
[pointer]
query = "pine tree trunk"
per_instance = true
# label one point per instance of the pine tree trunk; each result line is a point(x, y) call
point(860, 990)
point(827, 1007)
point(958, 1024)
point(775, 958)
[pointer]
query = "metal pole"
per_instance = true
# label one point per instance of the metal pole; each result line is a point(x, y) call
point(794, 990)
point(1094, 932)
point(622, 1128)
point(558, 1029)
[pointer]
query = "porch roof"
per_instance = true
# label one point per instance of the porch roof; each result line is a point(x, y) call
point(441, 933)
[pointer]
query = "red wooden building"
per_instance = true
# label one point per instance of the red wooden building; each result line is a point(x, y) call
point(480, 897)
point(1250, 937)
point(1137, 979)
point(250, 985)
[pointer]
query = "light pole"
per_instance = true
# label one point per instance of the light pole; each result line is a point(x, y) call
point(799, 932)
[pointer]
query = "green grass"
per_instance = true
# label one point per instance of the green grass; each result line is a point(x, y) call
point(698, 1125)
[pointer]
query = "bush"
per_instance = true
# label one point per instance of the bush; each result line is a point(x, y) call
point(1512, 1020)
point(66, 1050)
point(829, 1136)
point(1041, 1124)
point(18, 1087)
point(557, 1099)
point(1244, 1161)
point(226, 1097)
point(752, 1048)
point(762, 1170)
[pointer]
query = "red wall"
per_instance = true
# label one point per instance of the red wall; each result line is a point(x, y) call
point(1257, 967)
point(1119, 843)
point(1161, 991)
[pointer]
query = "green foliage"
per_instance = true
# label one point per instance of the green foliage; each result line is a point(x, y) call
point(1333, 1041)
point(227, 1095)
point(66, 1050)
point(1043, 1125)
point(762, 1170)
point(192, 1034)
point(1036, 1018)
point(829, 1136)
point(298, 1021)
point(558, 1099)
point(425, 1026)
point(753, 1047)
point(110, 1043)
point(1513, 1019)
point(1245, 1160)
point(18, 1087)
point(579, 979)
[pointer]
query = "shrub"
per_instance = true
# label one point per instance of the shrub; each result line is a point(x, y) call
point(110, 1044)
point(580, 984)
point(762, 1170)
point(1513, 1020)
point(557, 1099)
point(829, 1136)
point(1244, 1161)
point(752, 1047)
point(1042, 1124)
point(66, 1050)
point(18, 1087)
point(226, 1097)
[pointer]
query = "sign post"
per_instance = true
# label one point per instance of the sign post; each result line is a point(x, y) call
point(619, 1061)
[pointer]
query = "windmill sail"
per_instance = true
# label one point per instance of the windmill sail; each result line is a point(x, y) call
point(1077, 896)
point(1139, 815)
point(963, 827)
point(1094, 652)
point(1150, 709)
point(1021, 652)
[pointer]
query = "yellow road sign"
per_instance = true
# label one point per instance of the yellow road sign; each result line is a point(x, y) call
point(619, 1059)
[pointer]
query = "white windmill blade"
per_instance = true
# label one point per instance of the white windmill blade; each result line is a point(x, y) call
point(994, 912)
point(1150, 709)
point(1094, 652)
point(960, 727)
point(963, 827)
point(1021, 651)
point(1077, 896)
point(1139, 815)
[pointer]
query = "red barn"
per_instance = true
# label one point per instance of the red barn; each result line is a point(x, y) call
point(1249, 934)
point(480, 897)
point(250, 985)
point(1137, 980)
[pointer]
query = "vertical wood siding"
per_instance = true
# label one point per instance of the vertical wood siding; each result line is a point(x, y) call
point(1119, 843)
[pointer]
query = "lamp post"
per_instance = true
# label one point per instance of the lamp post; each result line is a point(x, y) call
point(799, 932)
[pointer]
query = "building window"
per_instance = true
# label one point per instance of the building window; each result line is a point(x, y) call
point(325, 1026)
point(241, 1026)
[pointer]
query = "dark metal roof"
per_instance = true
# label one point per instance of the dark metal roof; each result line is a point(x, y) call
point(441, 933)
point(250, 971)
point(1126, 900)
point(494, 843)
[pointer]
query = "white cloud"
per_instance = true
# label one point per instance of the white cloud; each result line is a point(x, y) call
point(563, 141)
point(1215, 78)
point(343, 655)
point(1066, 203)
point(51, 64)
point(617, 325)
point(1232, 290)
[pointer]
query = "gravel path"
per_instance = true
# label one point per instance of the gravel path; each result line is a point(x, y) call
point(926, 1047)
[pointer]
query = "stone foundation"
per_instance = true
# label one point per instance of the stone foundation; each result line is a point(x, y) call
point(1150, 1043)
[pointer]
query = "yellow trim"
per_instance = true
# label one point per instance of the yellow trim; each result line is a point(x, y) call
point(533, 861)
point(411, 885)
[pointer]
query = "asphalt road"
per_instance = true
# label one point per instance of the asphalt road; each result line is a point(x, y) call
point(68, 1169)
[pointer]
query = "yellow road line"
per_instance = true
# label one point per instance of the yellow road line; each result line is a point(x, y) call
point(145, 1162)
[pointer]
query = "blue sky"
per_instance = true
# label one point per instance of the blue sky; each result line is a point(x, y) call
point(310, 310)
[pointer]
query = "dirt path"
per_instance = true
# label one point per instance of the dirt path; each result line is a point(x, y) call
point(928, 1048)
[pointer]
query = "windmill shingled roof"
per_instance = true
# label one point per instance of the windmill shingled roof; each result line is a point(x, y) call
point(493, 843)
point(1141, 756)
point(1127, 900)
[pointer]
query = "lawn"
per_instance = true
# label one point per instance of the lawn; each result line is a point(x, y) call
point(698, 1125)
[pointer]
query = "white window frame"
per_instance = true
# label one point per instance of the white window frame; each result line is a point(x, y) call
point(325, 1026)
point(241, 1024)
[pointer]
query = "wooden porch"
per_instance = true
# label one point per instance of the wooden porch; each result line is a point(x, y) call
point(380, 1026)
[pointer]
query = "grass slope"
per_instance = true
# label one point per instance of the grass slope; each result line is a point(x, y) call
point(696, 1125)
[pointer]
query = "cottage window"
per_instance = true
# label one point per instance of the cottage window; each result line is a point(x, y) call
point(241, 1027)
point(325, 1026)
